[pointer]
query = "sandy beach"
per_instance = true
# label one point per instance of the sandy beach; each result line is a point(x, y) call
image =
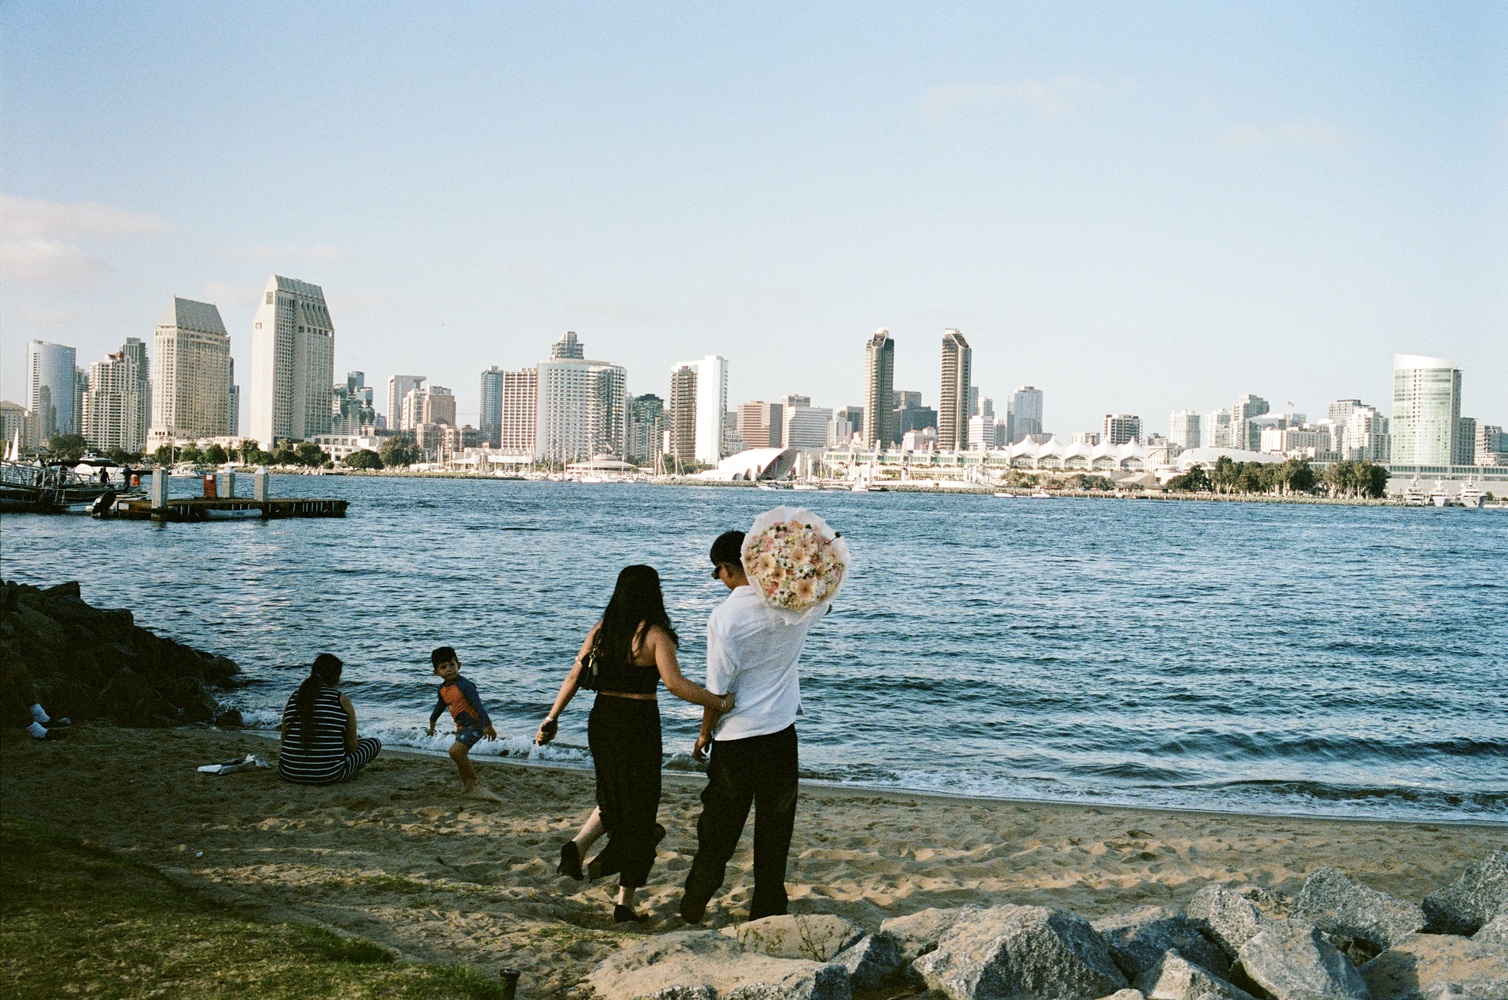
point(399, 857)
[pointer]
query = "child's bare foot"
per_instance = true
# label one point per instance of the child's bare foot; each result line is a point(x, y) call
point(477, 790)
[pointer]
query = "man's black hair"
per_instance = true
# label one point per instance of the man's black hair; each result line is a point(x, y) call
point(442, 655)
point(728, 549)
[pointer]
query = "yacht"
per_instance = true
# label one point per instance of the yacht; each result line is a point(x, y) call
point(1470, 495)
point(1438, 496)
point(1414, 495)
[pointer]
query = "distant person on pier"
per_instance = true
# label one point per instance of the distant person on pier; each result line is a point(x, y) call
point(460, 696)
point(624, 658)
point(18, 692)
point(319, 741)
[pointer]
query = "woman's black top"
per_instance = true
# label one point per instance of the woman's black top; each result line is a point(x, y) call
point(627, 678)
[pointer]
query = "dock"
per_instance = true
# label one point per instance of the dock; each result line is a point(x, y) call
point(228, 508)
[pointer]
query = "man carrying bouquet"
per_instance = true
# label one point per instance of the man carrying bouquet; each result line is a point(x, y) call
point(751, 650)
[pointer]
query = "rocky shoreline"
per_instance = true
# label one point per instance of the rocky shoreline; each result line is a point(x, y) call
point(1335, 939)
point(91, 663)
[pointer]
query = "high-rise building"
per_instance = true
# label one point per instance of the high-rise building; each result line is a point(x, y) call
point(190, 374)
point(804, 426)
point(235, 402)
point(491, 417)
point(518, 411)
point(1183, 429)
point(117, 407)
point(879, 378)
point(761, 424)
point(51, 384)
point(1426, 410)
point(398, 388)
point(582, 407)
point(353, 407)
point(646, 429)
point(1215, 430)
point(846, 425)
point(292, 363)
point(698, 409)
point(1491, 446)
point(567, 348)
point(1023, 413)
point(1364, 435)
point(1244, 433)
point(1121, 428)
point(953, 405)
point(1466, 442)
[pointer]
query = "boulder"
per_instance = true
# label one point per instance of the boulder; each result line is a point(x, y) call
point(1139, 938)
point(707, 965)
point(1231, 917)
point(1438, 966)
point(1173, 977)
point(1472, 900)
point(1495, 930)
point(1361, 922)
point(187, 694)
point(130, 700)
point(1293, 961)
point(1126, 994)
point(816, 937)
point(35, 628)
point(918, 933)
point(69, 588)
point(1022, 953)
point(872, 961)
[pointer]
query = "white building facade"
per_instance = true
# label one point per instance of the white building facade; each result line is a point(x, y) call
point(190, 374)
point(117, 407)
point(699, 406)
point(1426, 410)
point(581, 411)
point(292, 363)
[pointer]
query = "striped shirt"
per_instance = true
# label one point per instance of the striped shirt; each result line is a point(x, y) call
point(324, 760)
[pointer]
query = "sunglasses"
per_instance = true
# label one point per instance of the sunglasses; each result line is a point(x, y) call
point(717, 570)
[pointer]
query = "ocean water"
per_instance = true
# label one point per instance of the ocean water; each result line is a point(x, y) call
point(1323, 660)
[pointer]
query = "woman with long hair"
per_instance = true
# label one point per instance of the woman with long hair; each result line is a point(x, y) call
point(319, 743)
point(630, 651)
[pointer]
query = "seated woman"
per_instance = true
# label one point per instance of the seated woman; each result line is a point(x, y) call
point(319, 745)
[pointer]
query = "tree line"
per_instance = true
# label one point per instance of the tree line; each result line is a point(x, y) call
point(1355, 479)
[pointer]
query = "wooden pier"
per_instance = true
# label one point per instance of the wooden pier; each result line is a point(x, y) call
point(228, 508)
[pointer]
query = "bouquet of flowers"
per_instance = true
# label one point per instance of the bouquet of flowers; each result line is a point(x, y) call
point(795, 561)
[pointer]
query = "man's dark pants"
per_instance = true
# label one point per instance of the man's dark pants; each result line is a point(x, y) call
point(759, 770)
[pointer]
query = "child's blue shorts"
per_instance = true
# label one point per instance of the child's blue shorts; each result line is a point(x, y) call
point(469, 736)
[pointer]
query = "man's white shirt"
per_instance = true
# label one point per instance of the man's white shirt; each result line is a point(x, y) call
point(752, 652)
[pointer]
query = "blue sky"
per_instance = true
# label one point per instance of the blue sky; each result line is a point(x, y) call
point(1134, 207)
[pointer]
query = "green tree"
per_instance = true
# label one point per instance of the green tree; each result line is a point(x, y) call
point(215, 455)
point(400, 450)
point(283, 454)
point(1196, 480)
point(366, 458)
point(310, 454)
point(190, 453)
point(1223, 476)
point(1377, 480)
point(164, 454)
point(121, 456)
point(68, 446)
point(1102, 483)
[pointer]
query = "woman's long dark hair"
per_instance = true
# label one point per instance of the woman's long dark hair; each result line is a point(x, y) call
point(325, 672)
point(636, 607)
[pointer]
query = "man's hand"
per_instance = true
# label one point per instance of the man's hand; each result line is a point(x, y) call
point(699, 752)
point(490, 733)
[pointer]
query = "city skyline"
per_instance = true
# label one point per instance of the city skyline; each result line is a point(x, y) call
point(1138, 210)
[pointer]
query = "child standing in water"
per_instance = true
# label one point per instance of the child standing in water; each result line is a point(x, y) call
point(472, 722)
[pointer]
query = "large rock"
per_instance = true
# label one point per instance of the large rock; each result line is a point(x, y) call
point(1021, 953)
point(816, 937)
point(131, 701)
point(1480, 894)
point(706, 965)
point(1231, 917)
point(1293, 961)
point(1360, 921)
point(1138, 940)
point(872, 961)
point(1173, 977)
point(1495, 930)
point(918, 933)
point(1436, 967)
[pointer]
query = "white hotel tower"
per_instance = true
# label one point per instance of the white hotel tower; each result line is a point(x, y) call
point(292, 363)
point(190, 392)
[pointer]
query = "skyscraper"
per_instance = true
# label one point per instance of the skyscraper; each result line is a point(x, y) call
point(235, 402)
point(292, 363)
point(1426, 410)
point(1245, 434)
point(646, 429)
point(518, 411)
point(1023, 413)
point(1183, 429)
point(879, 378)
point(190, 374)
point(698, 409)
point(1121, 428)
point(51, 384)
point(761, 424)
point(953, 405)
point(117, 407)
point(398, 388)
point(491, 417)
point(582, 407)
point(1215, 429)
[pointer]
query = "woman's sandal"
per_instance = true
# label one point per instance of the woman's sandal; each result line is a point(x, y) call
point(570, 861)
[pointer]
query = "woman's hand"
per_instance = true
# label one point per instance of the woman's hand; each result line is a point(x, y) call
point(547, 731)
